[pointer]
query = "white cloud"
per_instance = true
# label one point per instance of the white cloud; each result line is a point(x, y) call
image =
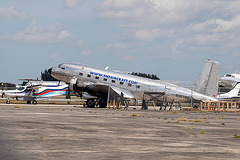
point(216, 25)
point(128, 57)
point(85, 52)
point(236, 55)
point(80, 43)
point(153, 13)
point(55, 56)
point(225, 25)
point(12, 13)
point(147, 35)
point(121, 45)
point(140, 13)
point(72, 3)
point(42, 34)
point(116, 4)
point(178, 27)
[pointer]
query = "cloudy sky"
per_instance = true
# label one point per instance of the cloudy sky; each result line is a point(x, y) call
point(169, 38)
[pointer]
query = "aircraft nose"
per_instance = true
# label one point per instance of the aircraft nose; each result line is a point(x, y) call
point(50, 70)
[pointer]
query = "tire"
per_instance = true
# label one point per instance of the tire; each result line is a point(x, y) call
point(102, 103)
point(91, 103)
point(34, 102)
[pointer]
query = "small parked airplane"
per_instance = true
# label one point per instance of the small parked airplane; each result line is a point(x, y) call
point(34, 90)
point(233, 94)
point(103, 84)
point(229, 80)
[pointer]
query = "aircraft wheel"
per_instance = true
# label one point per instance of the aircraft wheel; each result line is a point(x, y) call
point(144, 105)
point(3, 94)
point(8, 101)
point(91, 103)
point(102, 103)
point(28, 102)
point(34, 102)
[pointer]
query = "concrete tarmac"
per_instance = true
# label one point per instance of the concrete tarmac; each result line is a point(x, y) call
point(73, 132)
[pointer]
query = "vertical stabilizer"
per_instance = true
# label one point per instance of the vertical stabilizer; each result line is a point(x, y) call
point(207, 82)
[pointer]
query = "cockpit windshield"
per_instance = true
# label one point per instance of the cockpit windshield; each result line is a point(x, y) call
point(61, 66)
point(227, 75)
point(20, 88)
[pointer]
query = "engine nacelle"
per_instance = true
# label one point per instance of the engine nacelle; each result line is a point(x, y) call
point(72, 83)
point(81, 84)
point(77, 83)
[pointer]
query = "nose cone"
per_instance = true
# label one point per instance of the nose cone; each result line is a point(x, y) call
point(50, 71)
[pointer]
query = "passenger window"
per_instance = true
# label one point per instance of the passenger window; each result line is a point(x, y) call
point(129, 84)
point(96, 77)
point(105, 79)
point(89, 75)
point(137, 86)
point(113, 81)
point(121, 83)
point(80, 74)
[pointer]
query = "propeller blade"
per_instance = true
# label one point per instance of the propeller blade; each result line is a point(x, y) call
point(68, 96)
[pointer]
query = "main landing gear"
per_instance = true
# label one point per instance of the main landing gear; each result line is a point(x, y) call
point(33, 102)
point(165, 105)
point(91, 103)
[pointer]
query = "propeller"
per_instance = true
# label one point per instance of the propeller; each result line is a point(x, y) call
point(3, 94)
point(68, 96)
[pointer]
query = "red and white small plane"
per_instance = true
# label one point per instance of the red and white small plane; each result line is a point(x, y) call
point(34, 90)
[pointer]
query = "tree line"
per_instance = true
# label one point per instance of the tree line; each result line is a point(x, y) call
point(150, 76)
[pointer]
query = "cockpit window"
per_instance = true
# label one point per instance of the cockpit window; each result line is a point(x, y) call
point(20, 88)
point(61, 66)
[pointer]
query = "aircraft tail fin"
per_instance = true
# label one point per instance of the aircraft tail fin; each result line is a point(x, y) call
point(207, 82)
point(233, 93)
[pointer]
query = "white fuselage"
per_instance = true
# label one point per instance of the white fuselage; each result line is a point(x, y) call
point(229, 80)
point(43, 90)
point(135, 85)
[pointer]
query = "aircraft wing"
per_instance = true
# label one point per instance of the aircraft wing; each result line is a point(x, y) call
point(126, 93)
point(97, 87)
